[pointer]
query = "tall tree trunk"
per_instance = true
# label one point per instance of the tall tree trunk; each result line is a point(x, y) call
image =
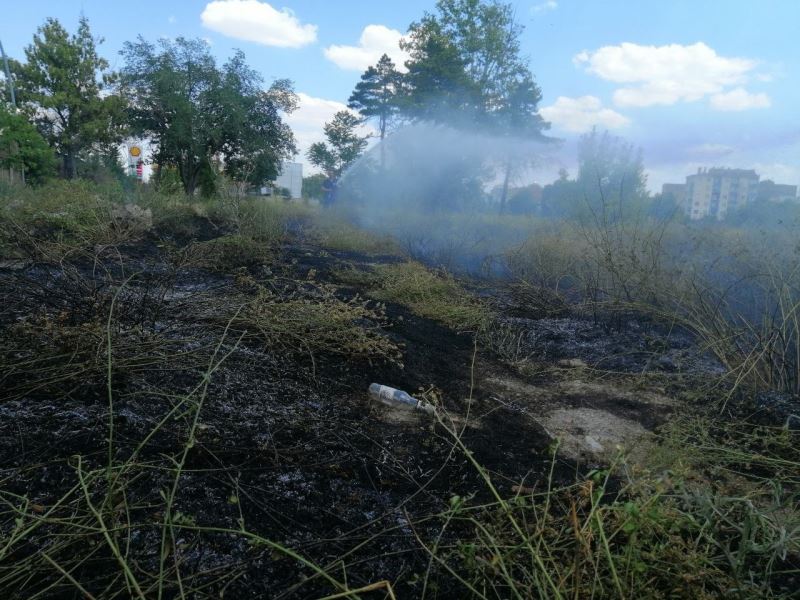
point(70, 164)
point(190, 185)
point(504, 193)
point(188, 173)
point(383, 146)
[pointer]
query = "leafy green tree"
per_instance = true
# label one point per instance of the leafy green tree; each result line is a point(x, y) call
point(196, 113)
point(468, 54)
point(65, 86)
point(343, 146)
point(104, 166)
point(611, 175)
point(561, 198)
point(466, 70)
point(665, 206)
point(257, 139)
point(166, 180)
point(767, 216)
point(516, 119)
point(437, 87)
point(312, 186)
point(526, 200)
point(172, 89)
point(375, 96)
point(610, 186)
point(23, 149)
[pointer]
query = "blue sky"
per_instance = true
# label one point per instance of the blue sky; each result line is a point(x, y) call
point(694, 83)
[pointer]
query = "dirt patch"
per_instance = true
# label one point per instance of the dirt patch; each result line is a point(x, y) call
point(564, 409)
point(592, 434)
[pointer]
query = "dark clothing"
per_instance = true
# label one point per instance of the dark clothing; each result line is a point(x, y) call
point(329, 192)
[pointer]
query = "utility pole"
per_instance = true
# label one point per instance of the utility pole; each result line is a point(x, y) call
point(9, 81)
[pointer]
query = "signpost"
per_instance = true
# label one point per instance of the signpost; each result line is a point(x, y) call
point(135, 162)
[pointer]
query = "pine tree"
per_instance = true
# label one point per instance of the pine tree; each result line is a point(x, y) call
point(466, 71)
point(375, 96)
point(64, 86)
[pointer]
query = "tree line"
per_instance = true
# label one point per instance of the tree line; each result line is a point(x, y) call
point(72, 112)
point(465, 70)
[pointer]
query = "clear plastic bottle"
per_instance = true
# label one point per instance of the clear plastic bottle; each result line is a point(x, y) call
point(398, 398)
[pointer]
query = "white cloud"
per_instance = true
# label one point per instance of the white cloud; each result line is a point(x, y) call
point(309, 119)
point(778, 172)
point(581, 114)
point(375, 41)
point(171, 19)
point(739, 99)
point(546, 6)
point(256, 21)
point(665, 74)
point(658, 175)
point(711, 150)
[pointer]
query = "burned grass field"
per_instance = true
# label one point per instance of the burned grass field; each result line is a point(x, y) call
point(185, 414)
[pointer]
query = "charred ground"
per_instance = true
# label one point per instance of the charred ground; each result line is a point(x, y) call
point(205, 394)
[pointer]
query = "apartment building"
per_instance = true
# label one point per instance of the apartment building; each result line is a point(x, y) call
point(291, 178)
point(716, 192)
point(769, 191)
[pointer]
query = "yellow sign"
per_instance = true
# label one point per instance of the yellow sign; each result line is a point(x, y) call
point(135, 151)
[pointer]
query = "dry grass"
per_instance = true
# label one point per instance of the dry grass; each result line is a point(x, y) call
point(313, 321)
point(335, 233)
point(714, 514)
point(436, 296)
point(227, 253)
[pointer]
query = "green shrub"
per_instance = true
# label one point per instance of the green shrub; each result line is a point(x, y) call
point(230, 252)
point(360, 278)
point(737, 290)
point(434, 296)
point(66, 215)
point(269, 220)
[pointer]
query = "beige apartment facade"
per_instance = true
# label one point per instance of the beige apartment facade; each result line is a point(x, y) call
point(716, 192)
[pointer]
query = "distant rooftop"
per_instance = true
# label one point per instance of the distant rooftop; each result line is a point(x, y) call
point(723, 171)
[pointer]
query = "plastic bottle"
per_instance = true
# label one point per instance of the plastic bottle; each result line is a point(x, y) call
point(398, 398)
